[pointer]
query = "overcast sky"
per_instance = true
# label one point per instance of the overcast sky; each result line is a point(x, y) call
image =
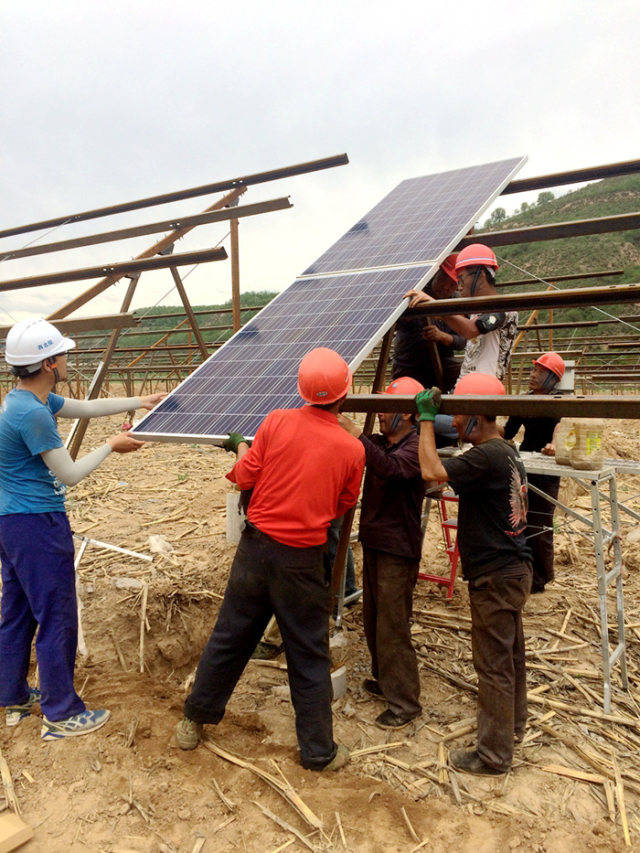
point(107, 102)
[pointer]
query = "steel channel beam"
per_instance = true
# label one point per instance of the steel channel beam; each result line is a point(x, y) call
point(555, 230)
point(526, 405)
point(120, 268)
point(557, 278)
point(106, 322)
point(611, 294)
point(193, 192)
point(558, 179)
point(152, 228)
point(568, 325)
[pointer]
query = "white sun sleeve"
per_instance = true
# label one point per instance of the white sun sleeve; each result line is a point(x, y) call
point(60, 463)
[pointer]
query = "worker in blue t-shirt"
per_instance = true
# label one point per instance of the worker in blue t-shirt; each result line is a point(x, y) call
point(36, 545)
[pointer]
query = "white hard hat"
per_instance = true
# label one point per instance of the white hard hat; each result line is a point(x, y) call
point(31, 341)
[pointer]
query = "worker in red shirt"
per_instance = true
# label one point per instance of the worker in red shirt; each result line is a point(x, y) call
point(305, 470)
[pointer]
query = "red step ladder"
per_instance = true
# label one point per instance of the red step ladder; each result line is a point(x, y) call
point(450, 535)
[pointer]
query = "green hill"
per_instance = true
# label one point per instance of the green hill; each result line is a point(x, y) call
point(619, 250)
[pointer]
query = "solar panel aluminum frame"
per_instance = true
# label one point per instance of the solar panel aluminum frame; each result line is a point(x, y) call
point(354, 363)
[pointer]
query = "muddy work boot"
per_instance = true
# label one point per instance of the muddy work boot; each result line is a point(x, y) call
point(188, 733)
point(17, 713)
point(470, 762)
point(388, 720)
point(339, 760)
point(371, 686)
point(266, 651)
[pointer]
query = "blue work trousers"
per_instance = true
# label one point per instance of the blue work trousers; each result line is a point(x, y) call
point(39, 590)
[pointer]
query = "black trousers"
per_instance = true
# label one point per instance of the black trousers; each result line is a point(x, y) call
point(539, 516)
point(388, 584)
point(270, 578)
point(497, 644)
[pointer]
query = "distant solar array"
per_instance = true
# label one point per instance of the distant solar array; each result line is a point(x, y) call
point(346, 300)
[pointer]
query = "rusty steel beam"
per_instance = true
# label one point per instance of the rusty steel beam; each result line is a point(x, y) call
point(177, 223)
point(105, 322)
point(611, 294)
point(193, 192)
point(526, 405)
point(120, 268)
point(574, 176)
point(566, 325)
point(555, 230)
point(556, 278)
point(159, 247)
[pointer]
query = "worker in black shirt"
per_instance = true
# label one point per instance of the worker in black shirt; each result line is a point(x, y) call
point(391, 536)
point(546, 373)
point(415, 337)
point(491, 484)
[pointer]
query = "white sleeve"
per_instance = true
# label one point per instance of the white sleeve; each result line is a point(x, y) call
point(60, 463)
point(97, 408)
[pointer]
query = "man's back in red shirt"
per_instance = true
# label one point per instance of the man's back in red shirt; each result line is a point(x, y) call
point(305, 470)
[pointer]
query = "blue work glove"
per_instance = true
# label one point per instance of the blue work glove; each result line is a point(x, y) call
point(231, 443)
point(428, 404)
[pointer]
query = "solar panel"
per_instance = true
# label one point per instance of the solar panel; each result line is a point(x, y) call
point(256, 370)
point(346, 300)
point(417, 218)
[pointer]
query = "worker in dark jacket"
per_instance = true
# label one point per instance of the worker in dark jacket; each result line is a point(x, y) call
point(416, 336)
point(391, 536)
point(546, 373)
point(491, 484)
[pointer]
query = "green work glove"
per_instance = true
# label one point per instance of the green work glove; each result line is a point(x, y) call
point(428, 404)
point(231, 443)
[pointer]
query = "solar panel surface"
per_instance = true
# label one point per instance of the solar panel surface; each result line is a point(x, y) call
point(417, 218)
point(256, 370)
point(346, 304)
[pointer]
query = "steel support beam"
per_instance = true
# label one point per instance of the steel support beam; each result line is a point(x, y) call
point(556, 278)
point(121, 268)
point(193, 192)
point(105, 322)
point(555, 230)
point(612, 294)
point(158, 247)
point(567, 325)
point(526, 405)
point(176, 223)
point(558, 179)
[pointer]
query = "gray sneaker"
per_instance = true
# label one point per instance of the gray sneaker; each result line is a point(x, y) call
point(17, 713)
point(79, 724)
point(188, 733)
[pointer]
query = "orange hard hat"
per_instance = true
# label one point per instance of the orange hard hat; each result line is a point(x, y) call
point(448, 266)
point(479, 383)
point(323, 376)
point(553, 362)
point(405, 385)
point(476, 255)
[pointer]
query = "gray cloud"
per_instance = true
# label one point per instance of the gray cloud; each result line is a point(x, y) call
point(103, 102)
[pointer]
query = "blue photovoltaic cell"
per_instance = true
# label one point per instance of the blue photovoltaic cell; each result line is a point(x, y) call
point(417, 219)
point(256, 370)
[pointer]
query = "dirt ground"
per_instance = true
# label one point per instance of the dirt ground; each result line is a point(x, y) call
point(129, 787)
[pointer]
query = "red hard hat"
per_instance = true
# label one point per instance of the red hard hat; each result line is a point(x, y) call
point(479, 383)
point(448, 266)
point(405, 385)
point(476, 255)
point(323, 376)
point(553, 362)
